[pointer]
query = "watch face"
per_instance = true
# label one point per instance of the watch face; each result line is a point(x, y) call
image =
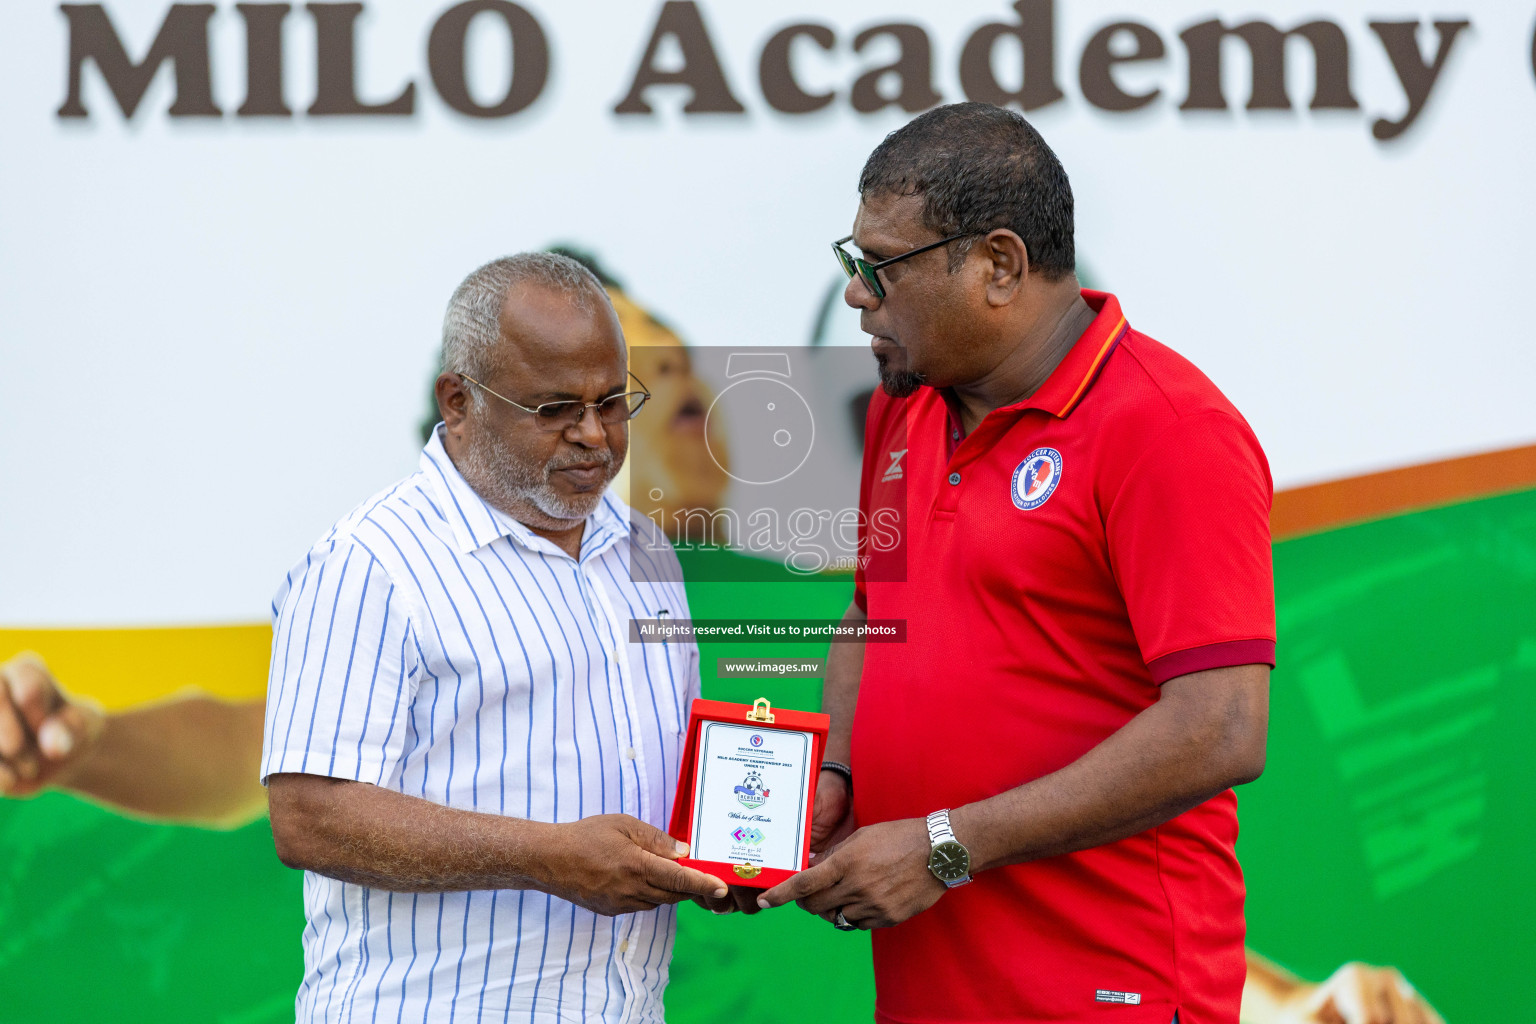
point(949, 861)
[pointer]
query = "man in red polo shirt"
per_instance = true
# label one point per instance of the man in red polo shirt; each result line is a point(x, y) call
point(1084, 568)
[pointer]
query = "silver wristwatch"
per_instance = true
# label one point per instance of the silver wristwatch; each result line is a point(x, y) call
point(949, 861)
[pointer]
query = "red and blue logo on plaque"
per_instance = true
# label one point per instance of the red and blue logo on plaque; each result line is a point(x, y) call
point(1036, 478)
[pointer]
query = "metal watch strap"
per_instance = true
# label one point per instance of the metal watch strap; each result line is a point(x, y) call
point(841, 769)
point(939, 830)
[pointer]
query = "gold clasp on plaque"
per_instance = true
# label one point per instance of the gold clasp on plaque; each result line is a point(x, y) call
point(760, 713)
point(747, 870)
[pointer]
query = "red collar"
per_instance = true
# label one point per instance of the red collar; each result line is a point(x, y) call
point(1064, 389)
point(1075, 374)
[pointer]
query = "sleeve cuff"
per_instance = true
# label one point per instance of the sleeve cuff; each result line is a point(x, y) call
point(325, 763)
point(1222, 655)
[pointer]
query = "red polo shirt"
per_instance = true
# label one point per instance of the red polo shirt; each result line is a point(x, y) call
point(1054, 567)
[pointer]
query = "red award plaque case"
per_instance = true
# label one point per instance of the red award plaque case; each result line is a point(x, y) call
point(761, 720)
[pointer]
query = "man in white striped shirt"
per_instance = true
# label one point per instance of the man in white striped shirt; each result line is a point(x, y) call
point(463, 750)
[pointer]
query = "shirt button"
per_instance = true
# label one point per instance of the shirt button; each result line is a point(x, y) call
point(629, 753)
point(954, 435)
point(954, 478)
point(624, 946)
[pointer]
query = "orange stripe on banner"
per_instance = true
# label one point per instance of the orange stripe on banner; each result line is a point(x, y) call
point(1093, 368)
point(1325, 506)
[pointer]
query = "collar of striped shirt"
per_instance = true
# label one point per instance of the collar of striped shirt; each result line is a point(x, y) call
point(476, 522)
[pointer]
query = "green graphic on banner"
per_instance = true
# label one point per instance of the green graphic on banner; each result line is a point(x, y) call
point(1393, 823)
point(109, 919)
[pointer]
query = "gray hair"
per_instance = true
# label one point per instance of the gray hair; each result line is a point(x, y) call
point(472, 324)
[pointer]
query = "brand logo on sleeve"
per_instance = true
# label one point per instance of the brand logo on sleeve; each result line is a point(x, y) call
point(893, 471)
point(1036, 478)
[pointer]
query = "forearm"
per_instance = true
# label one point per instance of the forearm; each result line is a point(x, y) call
point(840, 688)
point(1195, 742)
point(192, 759)
point(362, 833)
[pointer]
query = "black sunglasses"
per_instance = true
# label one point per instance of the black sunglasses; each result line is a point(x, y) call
point(852, 264)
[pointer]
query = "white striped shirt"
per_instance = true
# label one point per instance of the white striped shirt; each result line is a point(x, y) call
point(431, 645)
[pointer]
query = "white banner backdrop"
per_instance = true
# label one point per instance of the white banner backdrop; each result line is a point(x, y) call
point(216, 331)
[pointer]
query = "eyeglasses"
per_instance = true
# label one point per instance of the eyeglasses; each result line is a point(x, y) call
point(558, 416)
point(852, 264)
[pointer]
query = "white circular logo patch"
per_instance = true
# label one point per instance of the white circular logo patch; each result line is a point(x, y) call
point(1036, 478)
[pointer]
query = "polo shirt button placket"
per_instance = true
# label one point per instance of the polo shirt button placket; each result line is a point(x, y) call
point(954, 479)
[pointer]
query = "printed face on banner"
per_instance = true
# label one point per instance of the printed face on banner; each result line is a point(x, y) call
point(751, 795)
point(757, 451)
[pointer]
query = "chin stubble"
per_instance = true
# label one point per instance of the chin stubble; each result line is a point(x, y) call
point(898, 383)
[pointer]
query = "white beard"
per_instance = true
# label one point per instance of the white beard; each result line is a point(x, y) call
point(507, 483)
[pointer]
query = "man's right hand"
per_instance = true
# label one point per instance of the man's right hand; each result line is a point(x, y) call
point(616, 864)
point(831, 823)
point(832, 818)
point(44, 734)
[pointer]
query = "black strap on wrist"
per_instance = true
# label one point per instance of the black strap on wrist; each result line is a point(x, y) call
point(841, 769)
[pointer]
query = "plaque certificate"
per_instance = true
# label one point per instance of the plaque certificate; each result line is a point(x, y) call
point(752, 795)
point(746, 789)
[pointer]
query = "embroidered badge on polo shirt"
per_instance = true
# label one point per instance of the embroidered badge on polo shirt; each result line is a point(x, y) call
point(1036, 478)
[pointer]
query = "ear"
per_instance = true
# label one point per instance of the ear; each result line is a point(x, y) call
point(1007, 262)
point(452, 401)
